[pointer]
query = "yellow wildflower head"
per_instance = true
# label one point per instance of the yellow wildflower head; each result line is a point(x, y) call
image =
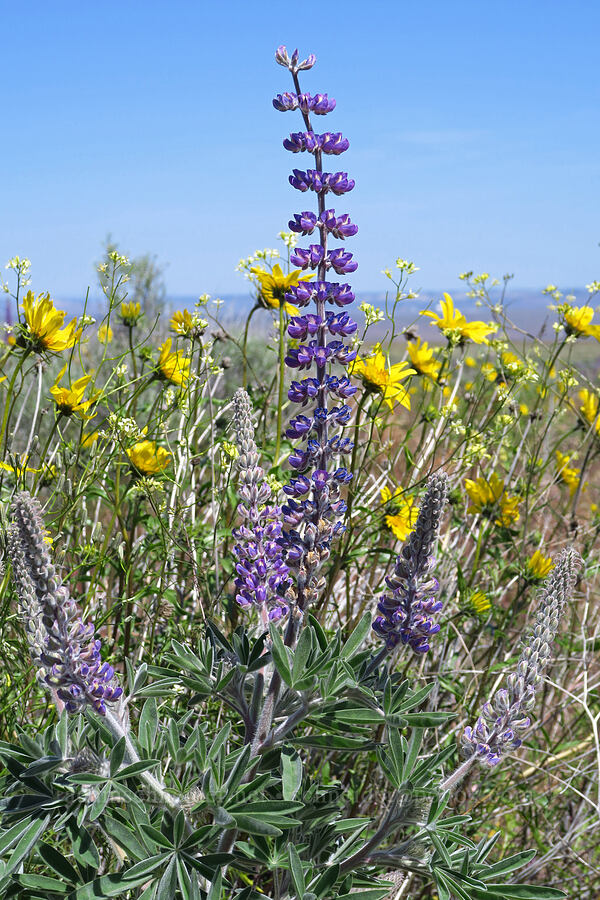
point(568, 474)
point(538, 566)
point(16, 468)
point(174, 366)
point(105, 334)
point(589, 407)
point(70, 400)
point(403, 512)
point(148, 459)
point(185, 324)
point(43, 329)
point(89, 438)
point(480, 603)
point(489, 498)
point(423, 359)
point(273, 286)
point(455, 327)
point(382, 379)
point(576, 320)
point(130, 313)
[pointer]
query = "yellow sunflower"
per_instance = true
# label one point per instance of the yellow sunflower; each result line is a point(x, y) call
point(589, 407)
point(538, 565)
point(130, 313)
point(149, 459)
point(576, 320)
point(43, 325)
point(174, 366)
point(489, 497)
point(422, 358)
point(455, 327)
point(568, 474)
point(401, 520)
point(382, 379)
point(70, 400)
point(273, 286)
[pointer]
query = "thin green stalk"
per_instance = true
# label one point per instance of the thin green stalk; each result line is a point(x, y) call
point(281, 381)
point(9, 404)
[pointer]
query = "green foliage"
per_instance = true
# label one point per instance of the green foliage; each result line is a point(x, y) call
point(179, 796)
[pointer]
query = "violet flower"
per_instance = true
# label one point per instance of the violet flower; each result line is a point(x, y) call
point(314, 509)
point(262, 576)
point(406, 610)
point(504, 717)
point(63, 648)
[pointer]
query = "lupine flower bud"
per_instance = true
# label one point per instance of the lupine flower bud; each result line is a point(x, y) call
point(64, 649)
point(283, 58)
point(406, 610)
point(502, 723)
point(262, 574)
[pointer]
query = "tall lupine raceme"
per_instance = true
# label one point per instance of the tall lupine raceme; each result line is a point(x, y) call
point(406, 609)
point(504, 717)
point(312, 514)
point(262, 576)
point(63, 648)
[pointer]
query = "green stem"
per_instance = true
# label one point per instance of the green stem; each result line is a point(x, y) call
point(9, 405)
point(281, 381)
point(244, 346)
point(45, 450)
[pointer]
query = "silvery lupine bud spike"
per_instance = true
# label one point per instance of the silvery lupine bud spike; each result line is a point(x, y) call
point(64, 649)
point(503, 718)
point(262, 576)
point(406, 610)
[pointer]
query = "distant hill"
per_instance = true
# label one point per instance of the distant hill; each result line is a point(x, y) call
point(528, 309)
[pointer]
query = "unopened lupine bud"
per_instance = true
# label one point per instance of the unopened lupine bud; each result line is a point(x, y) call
point(64, 649)
point(504, 712)
point(262, 576)
point(406, 610)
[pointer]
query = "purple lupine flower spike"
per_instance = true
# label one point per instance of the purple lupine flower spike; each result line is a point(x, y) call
point(64, 649)
point(406, 610)
point(262, 576)
point(314, 507)
point(504, 717)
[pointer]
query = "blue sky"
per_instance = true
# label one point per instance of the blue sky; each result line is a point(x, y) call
point(474, 136)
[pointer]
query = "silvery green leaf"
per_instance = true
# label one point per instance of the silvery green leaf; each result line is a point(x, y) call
point(117, 755)
point(296, 870)
point(291, 773)
point(148, 726)
point(281, 655)
point(357, 637)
